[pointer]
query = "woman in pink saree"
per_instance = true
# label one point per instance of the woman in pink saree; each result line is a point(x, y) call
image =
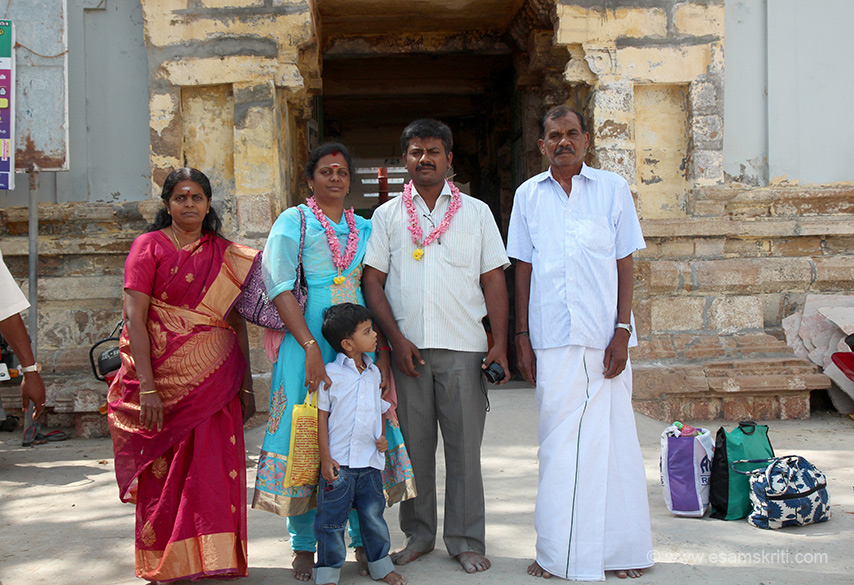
point(177, 407)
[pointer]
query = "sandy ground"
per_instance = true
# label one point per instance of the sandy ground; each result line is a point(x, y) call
point(61, 522)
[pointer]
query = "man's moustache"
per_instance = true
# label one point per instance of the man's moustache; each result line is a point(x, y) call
point(425, 166)
point(565, 149)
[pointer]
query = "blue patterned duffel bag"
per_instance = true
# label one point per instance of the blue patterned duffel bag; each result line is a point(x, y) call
point(790, 491)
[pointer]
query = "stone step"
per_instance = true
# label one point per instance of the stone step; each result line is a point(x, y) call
point(682, 347)
point(759, 387)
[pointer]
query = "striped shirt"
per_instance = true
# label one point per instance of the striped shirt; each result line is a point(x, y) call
point(573, 244)
point(437, 301)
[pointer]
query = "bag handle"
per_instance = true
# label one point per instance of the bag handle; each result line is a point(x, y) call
point(775, 462)
point(745, 424)
point(311, 398)
point(734, 463)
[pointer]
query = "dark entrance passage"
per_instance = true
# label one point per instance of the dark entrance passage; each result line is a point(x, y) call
point(368, 101)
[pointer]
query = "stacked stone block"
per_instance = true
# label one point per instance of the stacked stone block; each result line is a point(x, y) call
point(723, 264)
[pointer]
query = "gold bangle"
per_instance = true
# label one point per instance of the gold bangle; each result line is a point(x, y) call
point(149, 392)
point(307, 343)
point(247, 391)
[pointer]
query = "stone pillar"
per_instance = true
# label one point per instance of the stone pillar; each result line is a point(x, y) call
point(256, 156)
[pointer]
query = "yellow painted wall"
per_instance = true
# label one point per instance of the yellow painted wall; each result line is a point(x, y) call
point(661, 145)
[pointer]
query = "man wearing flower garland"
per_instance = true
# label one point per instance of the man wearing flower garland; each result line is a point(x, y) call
point(434, 267)
point(573, 230)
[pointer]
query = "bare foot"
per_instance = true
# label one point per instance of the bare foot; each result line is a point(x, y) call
point(633, 573)
point(405, 556)
point(473, 562)
point(302, 564)
point(537, 571)
point(362, 561)
point(394, 578)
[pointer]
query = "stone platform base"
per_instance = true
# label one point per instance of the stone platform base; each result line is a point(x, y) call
point(732, 377)
point(743, 389)
point(74, 402)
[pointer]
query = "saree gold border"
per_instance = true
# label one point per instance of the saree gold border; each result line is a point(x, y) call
point(185, 558)
point(283, 505)
point(404, 490)
point(194, 317)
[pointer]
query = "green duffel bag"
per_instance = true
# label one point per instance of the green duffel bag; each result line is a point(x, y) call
point(729, 492)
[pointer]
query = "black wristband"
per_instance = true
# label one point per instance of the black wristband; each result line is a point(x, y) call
point(521, 333)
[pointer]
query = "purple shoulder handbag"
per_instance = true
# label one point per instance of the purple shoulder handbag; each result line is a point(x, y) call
point(255, 306)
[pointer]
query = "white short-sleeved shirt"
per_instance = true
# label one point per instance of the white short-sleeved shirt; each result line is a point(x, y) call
point(437, 301)
point(355, 413)
point(573, 244)
point(12, 300)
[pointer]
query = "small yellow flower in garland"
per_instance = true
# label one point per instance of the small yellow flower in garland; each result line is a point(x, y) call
point(415, 225)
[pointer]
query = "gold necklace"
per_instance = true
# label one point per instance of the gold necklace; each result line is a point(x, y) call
point(175, 237)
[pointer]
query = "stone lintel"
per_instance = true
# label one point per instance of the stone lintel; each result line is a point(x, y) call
point(407, 43)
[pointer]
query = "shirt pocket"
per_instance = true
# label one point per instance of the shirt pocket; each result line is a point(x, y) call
point(460, 250)
point(595, 233)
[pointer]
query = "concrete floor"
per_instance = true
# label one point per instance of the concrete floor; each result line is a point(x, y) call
point(61, 522)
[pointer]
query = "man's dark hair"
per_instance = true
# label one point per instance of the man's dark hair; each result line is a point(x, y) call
point(323, 150)
point(427, 128)
point(558, 112)
point(341, 321)
point(211, 223)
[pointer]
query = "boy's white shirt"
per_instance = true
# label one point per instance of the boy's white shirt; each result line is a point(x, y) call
point(355, 412)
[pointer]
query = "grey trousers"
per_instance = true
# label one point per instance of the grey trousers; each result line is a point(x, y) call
point(449, 391)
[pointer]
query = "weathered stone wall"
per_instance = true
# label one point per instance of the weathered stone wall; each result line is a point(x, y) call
point(724, 264)
point(656, 73)
point(231, 88)
point(227, 79)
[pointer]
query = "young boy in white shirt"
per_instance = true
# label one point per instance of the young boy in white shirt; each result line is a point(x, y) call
point(350, 433)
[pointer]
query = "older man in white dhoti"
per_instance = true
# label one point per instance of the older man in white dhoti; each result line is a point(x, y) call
point(573, 230)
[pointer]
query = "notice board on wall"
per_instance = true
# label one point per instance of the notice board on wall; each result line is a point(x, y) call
point(41, 83)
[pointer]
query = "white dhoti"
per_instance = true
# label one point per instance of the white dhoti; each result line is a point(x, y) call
point(592, 513)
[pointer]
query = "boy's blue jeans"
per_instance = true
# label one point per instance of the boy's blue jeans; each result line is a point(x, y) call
point(361, 489)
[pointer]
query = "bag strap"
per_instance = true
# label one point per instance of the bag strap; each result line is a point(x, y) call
point(747, 424)
point(734, 463)
point(311, 398)
point(300, 272)
point(301, 237)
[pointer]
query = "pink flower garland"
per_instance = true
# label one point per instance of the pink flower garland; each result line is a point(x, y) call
point(415, 224)
point(340, 262)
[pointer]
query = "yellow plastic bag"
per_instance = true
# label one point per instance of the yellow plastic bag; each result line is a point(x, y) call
point(304, 453)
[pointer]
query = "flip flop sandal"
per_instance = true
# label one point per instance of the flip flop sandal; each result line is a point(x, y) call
point(10, 424)
point(30, 434)
point(54, 436)
point(51, 437)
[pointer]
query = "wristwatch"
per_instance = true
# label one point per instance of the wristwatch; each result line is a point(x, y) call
point(36, 367)
point(627, 326)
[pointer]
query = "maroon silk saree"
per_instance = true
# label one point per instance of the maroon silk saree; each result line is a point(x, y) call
point(188, 480)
